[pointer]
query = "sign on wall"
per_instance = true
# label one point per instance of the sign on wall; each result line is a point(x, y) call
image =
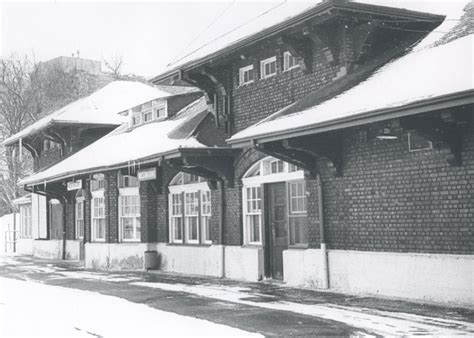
point(74, 185)
point(146, 174)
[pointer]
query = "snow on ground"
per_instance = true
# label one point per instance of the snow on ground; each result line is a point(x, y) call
point(383, 323)
point(32, 309)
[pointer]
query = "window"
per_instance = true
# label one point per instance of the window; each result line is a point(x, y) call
point(159, 109)
point(246, 75)
point(176, 217)
point(271, 170)
point(417, 142)
point(289, 61)
point(129, 215)
point(127, 181)
point(253, 214)
point(25, 221)
point(206, 215)
point(276, 166)
point(268, 67)
point(189, 210)
point(98, 182)
point(98, 218)
point(79, 218)
point(147, 116)
point(191, 214)
point(297, 213)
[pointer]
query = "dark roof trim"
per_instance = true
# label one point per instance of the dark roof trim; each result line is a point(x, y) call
point(296, 20)
point(441, 102)
point(60, 123)
point(146, 160)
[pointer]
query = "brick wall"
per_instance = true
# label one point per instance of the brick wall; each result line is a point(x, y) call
point(263, 97)
point(390, 199)
point(111, 194)
point(87, 211)
point(148, 210)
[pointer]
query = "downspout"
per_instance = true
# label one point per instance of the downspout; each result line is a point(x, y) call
point(63, 200)
point(324, 253)
point(222, 225)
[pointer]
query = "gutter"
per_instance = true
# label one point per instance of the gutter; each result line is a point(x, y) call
point(322, 235)
point(417, 107)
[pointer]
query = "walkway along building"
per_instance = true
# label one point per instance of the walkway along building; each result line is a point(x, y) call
point(333, 149)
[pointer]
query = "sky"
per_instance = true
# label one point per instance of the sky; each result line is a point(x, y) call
point(147, 35)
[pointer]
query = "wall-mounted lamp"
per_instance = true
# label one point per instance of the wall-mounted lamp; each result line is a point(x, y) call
point(387, 134)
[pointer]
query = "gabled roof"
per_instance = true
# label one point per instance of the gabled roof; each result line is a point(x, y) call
point(102, 106)
point(280, 17)
point(122, 147)
point(436, 73)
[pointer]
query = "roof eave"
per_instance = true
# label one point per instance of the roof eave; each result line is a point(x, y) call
point(278, 28)
point(418, 107)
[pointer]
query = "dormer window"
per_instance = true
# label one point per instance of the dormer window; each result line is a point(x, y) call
point(268, 67)
point(147, 112)
point(245, 75)
point(159, 109)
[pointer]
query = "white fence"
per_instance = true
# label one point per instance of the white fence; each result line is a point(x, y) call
point(9, 233)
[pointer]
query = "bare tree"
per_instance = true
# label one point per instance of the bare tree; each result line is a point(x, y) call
point(114, 65)
point(28, 91)
point(15, 113)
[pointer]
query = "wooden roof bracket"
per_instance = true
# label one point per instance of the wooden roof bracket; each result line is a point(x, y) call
point(211, 83)
point(446, 130)
point(298, 158)
point(299, 48)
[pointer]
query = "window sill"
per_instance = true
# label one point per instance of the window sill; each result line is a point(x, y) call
point(190, 244)
point(298, 247)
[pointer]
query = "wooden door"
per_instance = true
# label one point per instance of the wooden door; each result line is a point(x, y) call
point(56, 219)
point(276, 228)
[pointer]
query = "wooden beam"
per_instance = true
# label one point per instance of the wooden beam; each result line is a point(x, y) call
point(361, 35)
point(301, 49)
point(445, 130)
point(327, 36)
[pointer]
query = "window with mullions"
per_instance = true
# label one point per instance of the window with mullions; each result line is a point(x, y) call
point(25, 223)
point(98, 182)
point(272, 170)
point(253, 214)
point(297, 215)
point(246, 75)
point(129, 216)
point(79, 218)
point(189, 210)
point(268, 67)
point(98, 218)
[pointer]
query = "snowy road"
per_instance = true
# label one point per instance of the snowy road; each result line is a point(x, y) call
point(31, 309)
point(45, 298)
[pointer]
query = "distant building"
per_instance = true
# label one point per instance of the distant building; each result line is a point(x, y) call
point(71, 63)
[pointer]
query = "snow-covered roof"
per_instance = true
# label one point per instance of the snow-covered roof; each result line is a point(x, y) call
point(102, 106)
point(421, 76)
point(123, 147)
point(231, 30)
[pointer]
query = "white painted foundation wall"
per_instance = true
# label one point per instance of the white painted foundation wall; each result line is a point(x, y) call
point(244, 263)
point(116, 256)
point(425, 277)
point(193, 260)
point(24, 246)
point(52, 249)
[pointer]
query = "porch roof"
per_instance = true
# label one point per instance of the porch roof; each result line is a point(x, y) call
point(124, 147)
point(435, 77)
point(26, 199)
